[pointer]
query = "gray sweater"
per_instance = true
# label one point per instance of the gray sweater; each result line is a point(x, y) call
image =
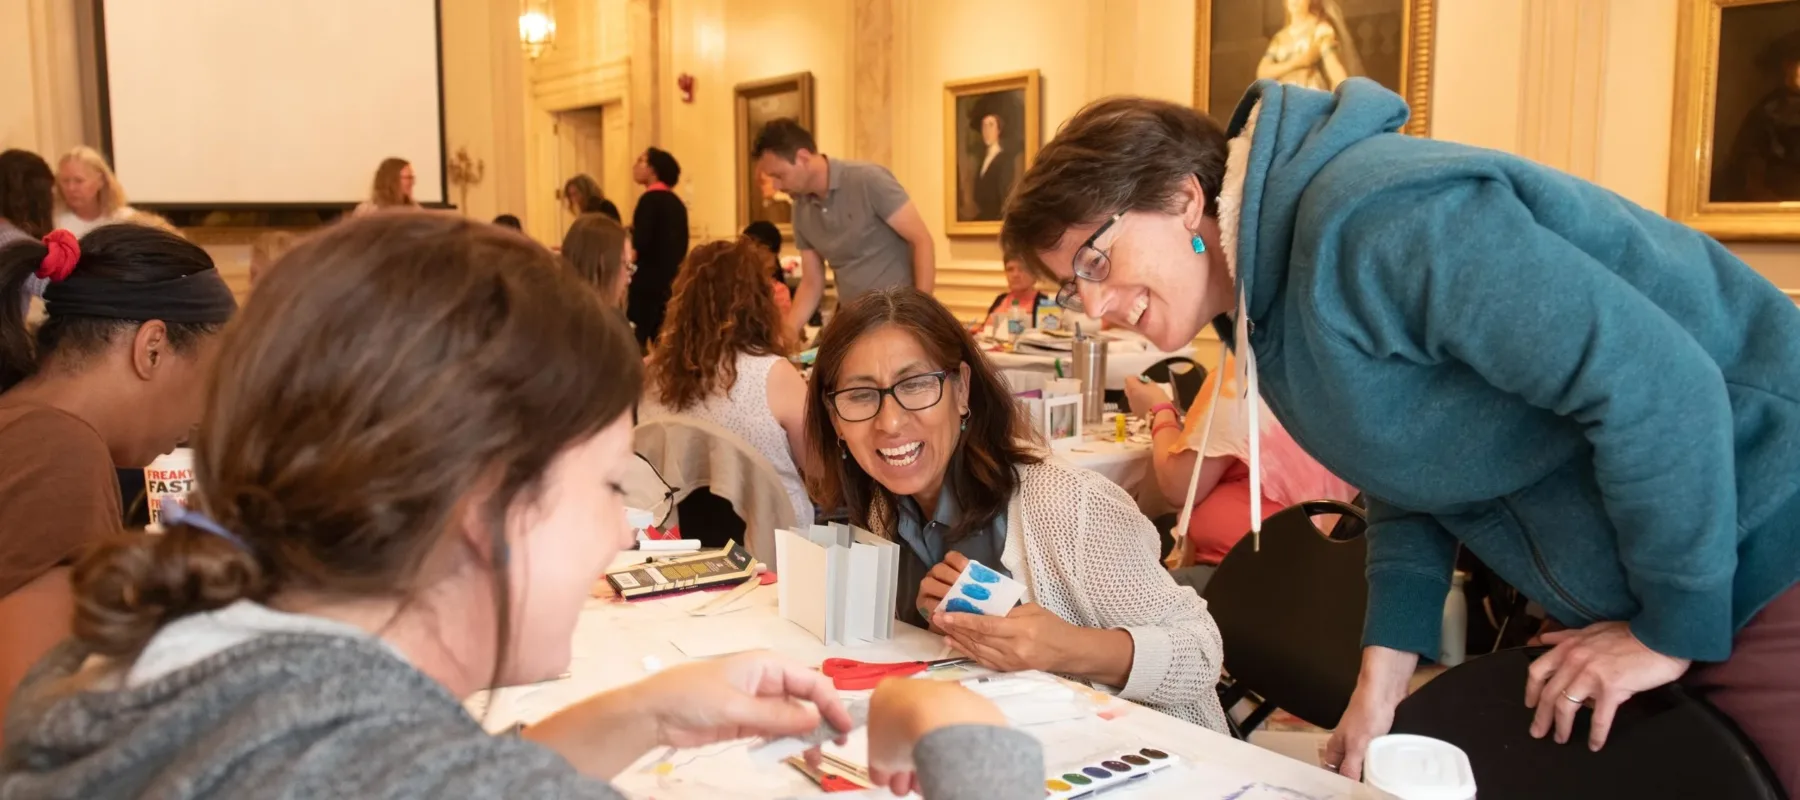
point(299, 716)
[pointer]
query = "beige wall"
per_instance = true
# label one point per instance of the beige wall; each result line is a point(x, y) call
point(42, 47)
point(1586, 86)
point(1083, 49)
point(726, 42)
point(1583, 85)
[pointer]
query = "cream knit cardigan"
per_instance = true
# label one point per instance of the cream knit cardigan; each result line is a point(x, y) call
point(1087, 554)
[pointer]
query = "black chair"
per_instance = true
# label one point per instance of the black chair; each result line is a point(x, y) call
point(1291, 615)
point(1664, 743)
point(1182, 374)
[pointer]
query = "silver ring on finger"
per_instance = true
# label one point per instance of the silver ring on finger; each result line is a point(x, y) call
point(1573, 699)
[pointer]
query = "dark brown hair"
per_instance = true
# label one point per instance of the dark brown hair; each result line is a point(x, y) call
point(122, 253)
point(1117, 154)
point(386, 369)
point(27, 192)
point(784, 137)
point(980, 474)
point(595, 248)
point(722, 306)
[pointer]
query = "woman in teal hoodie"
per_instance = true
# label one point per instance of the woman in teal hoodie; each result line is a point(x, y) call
point(1601, 404)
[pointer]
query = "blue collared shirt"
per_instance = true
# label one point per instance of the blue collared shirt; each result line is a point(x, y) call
point(926, 547)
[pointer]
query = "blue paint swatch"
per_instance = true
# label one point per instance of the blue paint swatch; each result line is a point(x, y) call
point(977, 592)
point(961, 606)
point(981, 574)
point(1097, 772)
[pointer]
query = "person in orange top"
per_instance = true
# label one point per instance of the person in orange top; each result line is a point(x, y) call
point(1222, 497)
point(1021, 293)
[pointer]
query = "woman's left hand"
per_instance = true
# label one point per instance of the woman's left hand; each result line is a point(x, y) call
point(1602, 664)
point(1140, 396)
point(1024, 639)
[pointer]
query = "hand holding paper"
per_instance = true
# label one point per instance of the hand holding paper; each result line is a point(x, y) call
point(1027, 638)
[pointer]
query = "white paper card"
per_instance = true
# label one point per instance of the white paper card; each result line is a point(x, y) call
point(837, 582)
point(980, 590)
point(802, 591)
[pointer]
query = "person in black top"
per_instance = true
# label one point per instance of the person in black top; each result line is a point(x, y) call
point(659, 234)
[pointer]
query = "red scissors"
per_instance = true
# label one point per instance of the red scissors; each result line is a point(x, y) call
point(848, 673)
point(826, 781)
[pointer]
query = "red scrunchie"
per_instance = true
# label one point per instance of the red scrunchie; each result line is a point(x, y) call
point(60, 261)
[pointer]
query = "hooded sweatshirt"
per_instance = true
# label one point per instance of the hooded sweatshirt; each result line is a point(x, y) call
point(291, 707)
point(1600, 403)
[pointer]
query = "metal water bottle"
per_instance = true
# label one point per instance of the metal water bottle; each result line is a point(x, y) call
point(1090, 369)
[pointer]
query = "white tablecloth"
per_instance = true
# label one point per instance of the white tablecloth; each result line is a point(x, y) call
point(613, 639)
point(1121, 362)
point(1127, 464)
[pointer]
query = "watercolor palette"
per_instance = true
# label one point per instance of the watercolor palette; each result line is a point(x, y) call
point(1107, 774)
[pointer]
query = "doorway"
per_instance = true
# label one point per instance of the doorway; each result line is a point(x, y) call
point(579, 150)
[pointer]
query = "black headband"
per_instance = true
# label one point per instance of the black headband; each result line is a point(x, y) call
point(197, 298)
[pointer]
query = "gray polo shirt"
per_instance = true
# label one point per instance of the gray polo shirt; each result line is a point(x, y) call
point(848, 227)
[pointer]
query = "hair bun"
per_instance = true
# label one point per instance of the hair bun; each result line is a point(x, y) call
point(129, 588)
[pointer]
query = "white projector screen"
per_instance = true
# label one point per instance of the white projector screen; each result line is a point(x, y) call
point(270, 102)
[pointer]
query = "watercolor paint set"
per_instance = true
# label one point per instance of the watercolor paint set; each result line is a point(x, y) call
point(1107, 774)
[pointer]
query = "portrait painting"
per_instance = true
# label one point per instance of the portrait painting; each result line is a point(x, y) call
point(1735, 164)
point(991, 132)
point(1318, 44)
point(757, 103)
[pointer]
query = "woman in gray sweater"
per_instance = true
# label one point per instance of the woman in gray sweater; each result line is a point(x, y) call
point(409, 475)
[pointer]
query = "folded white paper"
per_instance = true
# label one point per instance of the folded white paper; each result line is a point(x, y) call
point(837, 582)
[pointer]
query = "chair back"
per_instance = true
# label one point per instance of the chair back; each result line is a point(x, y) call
point(1291, 612)
point(1184, 376)
point(1664, 743)
point(691, 453)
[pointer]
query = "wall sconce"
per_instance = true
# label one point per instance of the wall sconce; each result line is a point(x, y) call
point(685, 83)
point(537, 27)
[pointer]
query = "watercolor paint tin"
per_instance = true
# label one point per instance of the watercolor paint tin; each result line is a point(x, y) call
point(1109, 772)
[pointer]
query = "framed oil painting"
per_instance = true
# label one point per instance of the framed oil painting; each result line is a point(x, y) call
point(992, 130)
point(1734, 168)
point(757, 103)
point(1314, 43)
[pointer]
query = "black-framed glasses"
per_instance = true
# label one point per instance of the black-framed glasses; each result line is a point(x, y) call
point(862, 403)
point(1090, 264)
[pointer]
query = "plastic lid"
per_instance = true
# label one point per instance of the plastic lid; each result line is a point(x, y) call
point(1419, 768)
point(639, 519)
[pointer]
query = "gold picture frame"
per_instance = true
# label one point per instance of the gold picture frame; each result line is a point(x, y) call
point(756, 103)
point(1710, 167)
point(1407, 72)
point(976, 185)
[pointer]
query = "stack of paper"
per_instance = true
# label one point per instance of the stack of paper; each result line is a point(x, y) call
point(837, 582)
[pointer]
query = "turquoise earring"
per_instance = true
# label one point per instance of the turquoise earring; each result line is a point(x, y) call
point(1199, 245)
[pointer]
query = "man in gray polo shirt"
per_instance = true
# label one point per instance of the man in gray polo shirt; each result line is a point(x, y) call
point(850, 214)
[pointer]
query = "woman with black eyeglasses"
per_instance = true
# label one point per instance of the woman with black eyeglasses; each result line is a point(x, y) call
point(1601, 404)
point(915, 433)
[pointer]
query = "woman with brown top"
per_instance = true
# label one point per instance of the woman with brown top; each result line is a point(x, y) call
point(112, 380)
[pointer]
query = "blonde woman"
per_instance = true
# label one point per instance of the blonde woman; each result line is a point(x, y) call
point(393, 187)
point(88, 193)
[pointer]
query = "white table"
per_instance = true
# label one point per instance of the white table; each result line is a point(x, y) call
point(613, 638)
point(1127, 464)
point(1121, 363)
